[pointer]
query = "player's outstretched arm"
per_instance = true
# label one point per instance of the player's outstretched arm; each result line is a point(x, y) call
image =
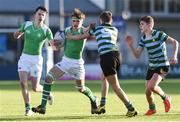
point(175, 44)
point(135, 51)
point(77, 37)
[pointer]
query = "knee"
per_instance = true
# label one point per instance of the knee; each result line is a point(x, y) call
point(23, 85)
point(35, 89)
point(150, 88)
point(50, 78)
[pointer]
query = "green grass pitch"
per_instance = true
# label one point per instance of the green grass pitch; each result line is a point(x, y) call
point(71, 106)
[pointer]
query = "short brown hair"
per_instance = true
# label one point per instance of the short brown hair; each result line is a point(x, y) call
point(41, 8)
point(78, 14)
point(106, 16)
point(147, 19)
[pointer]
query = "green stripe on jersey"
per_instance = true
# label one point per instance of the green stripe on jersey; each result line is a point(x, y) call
point(156, 48)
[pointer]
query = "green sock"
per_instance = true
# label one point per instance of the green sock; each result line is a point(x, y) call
point(89, 94)
point(27, 106)
point(152, 107)
point(45, 94)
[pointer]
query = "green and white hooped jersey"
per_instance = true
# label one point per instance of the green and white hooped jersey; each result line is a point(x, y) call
point(156, 48)
point(106, 37)
point(74, 48)
point(34, 37)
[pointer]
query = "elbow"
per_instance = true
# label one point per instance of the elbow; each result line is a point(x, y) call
point(177, 43)
point(136, 56)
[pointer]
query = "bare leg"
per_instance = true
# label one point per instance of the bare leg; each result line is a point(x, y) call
point(113, 80)
point(36, 86)
point(24, 86)
point(104, 88)
point(152, 86)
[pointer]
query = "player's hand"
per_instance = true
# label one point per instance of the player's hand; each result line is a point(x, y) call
point(55, 42)
point(89, 27)
point(129, 40)
point(92, 25)
point(69, 36)
point(173, 60)
point(18, 34)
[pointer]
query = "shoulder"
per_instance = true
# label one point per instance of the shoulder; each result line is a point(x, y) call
point(157, 32)
point(45, 27)
point(142, 39)
point(82, 29)
point(114, 29)
point(67, 29)
point(27, 24)
point(97, 28)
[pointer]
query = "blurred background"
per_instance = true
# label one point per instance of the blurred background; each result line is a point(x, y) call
point(126, 14)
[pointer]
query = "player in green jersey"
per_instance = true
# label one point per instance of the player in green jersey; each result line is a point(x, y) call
point(30, 63)
point(71, 64)
point(106, 36)
point(155, 43)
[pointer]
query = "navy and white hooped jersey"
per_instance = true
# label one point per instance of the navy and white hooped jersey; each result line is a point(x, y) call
point(106, 37)
point(156, 48)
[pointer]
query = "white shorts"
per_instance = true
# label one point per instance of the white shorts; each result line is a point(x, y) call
point(31, 64)
point(73, 67)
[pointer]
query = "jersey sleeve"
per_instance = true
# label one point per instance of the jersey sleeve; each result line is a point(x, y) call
point(163, 36)
point(141, 43)
point(66, 30)
point(49, 34)
point(91, 32)
point(22, 27)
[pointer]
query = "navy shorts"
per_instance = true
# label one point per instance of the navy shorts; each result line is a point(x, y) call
point(110, 63)
point(159, 70)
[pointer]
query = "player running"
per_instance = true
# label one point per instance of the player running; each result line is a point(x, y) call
point(155, 43)
point(72, 64)
point(30, 63)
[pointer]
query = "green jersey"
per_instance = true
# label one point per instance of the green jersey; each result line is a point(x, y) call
point(34, 37)
point(74, 48)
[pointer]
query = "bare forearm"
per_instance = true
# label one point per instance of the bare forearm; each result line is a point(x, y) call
point(134, 51)
point(79, 37)
point(175, 48)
